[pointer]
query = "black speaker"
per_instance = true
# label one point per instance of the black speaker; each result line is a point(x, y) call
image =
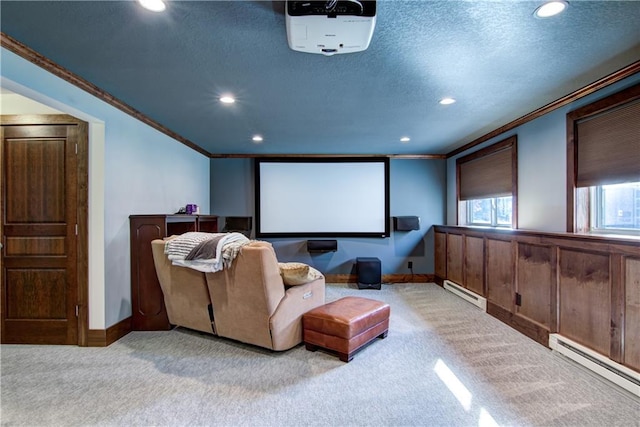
point(406, 223)
point(322, 245)
point(369, 273)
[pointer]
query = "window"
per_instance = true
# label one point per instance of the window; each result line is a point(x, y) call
point(603, 165)
point(493, 211)
point(615, 208)
point(487, 185)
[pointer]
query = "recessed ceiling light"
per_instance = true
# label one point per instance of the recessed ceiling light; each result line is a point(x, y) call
point(153, 5)
point(405, 139)
point(447, 101)
point(256, 138)
point(551, 8)
point(226, 99)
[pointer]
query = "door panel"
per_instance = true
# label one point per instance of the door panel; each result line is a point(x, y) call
point(36, 294)
point(39, 235)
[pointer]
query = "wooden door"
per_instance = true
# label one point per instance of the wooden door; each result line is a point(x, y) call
point(39, 274)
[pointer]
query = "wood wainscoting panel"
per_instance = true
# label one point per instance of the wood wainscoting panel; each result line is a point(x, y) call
point(455, 258)
point(585, 298)
point(474, 264)
point(500, 276)
point(535, 284)
point(440, 250)
point(584, 287)
point(632, 313)
point(531, 329)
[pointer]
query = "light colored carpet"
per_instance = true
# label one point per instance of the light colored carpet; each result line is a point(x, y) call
point(444, 363)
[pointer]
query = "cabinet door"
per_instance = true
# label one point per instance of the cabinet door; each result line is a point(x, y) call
point(147, 301)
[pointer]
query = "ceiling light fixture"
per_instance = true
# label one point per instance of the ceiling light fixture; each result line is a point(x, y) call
point(226, 99)
point(256, 138)
point(153, 5)
point(550, 9)
point(447, 101)
point(405, 139)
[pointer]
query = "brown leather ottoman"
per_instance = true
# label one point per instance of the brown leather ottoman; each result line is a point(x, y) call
point(346, 325)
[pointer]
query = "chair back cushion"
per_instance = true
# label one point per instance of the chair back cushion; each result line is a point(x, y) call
point(185, 292)
point(246, 295)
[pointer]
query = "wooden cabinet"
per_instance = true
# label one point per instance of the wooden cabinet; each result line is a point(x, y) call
point(148, 312)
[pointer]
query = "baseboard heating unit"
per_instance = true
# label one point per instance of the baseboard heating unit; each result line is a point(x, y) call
point(467, 295)
point(605, 367)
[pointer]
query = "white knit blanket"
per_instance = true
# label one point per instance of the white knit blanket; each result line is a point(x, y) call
point(227, 246)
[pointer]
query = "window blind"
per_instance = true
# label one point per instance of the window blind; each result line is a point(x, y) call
point(608, 146)
point(488, 173)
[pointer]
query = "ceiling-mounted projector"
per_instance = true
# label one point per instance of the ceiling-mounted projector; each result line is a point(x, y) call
point(330, 27)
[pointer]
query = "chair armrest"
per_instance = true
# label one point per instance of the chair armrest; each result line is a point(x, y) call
point(286, 321)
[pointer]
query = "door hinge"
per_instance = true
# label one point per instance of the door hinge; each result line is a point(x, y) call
point(76, 229)
point(76, 148)
point(518, 299)
point(77, 310)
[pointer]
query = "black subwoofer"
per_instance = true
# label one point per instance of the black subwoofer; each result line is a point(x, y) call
point(369, 271)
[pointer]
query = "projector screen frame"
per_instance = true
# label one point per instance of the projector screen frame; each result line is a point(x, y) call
point(313, 234)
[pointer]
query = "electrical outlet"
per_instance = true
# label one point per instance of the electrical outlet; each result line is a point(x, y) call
point(410, 264)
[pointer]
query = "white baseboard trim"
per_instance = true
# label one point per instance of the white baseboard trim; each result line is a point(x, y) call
point(603, 366)
point(467, 295)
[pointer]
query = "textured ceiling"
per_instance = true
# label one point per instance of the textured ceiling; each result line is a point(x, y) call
point(494, 57)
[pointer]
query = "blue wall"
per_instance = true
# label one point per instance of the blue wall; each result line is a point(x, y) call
point(417, 188)
point(144, 172)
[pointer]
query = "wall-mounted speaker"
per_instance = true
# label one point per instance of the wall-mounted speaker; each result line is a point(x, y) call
point(406, 223)
point(322, 245)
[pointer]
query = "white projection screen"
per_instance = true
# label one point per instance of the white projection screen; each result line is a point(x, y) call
point(322, 197)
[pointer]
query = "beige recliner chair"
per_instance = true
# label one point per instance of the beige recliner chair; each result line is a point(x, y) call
point(249, 299)
point(251, 304)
